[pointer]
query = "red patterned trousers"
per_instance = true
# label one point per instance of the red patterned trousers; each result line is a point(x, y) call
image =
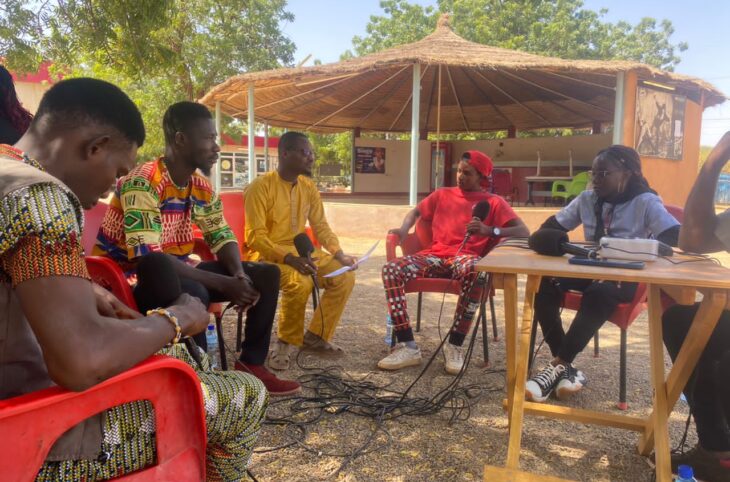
point(401, 270)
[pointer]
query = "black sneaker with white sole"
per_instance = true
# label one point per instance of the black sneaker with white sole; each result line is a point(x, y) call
point(539, 387)
point(571, 381)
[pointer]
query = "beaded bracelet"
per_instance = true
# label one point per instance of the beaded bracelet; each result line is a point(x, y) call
point(171, 318)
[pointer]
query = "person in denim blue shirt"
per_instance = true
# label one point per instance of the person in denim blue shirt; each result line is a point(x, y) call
point(621, 204)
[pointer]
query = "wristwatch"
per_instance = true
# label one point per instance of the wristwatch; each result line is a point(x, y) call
point(496, 232)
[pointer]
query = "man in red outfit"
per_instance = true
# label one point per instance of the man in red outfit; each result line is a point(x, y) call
point(449, 210)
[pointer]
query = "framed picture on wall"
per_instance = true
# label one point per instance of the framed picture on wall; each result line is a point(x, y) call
point(370, 160)
point(659, 123)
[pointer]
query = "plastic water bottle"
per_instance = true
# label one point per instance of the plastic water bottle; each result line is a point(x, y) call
point(211, 337)
point(389, 330)
point(685, 474)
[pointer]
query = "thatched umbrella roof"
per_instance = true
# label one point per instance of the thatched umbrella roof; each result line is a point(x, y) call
point(481, 88)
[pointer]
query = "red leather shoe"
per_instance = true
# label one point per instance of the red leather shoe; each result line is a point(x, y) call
point(275, 385)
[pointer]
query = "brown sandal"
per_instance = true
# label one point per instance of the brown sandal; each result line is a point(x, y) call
point(320, 346)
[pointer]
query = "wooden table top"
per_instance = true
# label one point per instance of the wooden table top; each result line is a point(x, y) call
point(695, 274)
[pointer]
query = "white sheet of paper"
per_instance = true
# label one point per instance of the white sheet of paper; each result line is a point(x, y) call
point(360, 260)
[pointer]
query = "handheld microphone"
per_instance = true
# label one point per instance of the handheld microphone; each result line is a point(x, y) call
point(554, 242)
point(305, 248)
point(479, 212)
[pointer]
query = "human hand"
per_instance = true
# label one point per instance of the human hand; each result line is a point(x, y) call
point(240, 291)
point(301, 264)
point(109, 305)
point(400, 232)
point(475, 226)
point(191, 314)
point(346, 260)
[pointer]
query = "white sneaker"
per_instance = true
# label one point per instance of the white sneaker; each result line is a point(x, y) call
point(572, 381)
point(454, 358)
point(401, 357)
point(539, 387)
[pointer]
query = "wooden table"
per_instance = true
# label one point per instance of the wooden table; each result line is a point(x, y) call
point(681, 281)
point(531, 180)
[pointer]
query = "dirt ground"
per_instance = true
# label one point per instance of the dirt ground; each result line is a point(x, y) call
point(425, 448)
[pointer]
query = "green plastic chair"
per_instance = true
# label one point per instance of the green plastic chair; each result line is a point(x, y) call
point(567, 190)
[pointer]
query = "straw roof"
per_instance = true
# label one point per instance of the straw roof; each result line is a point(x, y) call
point(480, 88)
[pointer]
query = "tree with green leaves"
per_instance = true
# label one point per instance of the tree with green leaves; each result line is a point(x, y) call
point(558, 28)
point(158, 51)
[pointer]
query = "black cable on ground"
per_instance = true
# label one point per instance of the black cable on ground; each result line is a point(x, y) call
point(334, 392)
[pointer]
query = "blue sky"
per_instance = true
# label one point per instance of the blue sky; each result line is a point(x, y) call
point(324, 28)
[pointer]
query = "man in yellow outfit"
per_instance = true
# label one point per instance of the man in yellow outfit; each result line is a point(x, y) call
point(278, 206)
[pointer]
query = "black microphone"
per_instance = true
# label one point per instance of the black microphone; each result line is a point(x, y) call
point(554, 242)
point(479, 212)
point(305, 248)
point(159, 285)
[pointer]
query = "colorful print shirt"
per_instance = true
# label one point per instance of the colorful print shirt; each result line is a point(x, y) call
point(40, 229)
point(149, 213)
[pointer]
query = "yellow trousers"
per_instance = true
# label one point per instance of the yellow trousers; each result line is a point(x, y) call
point(296, 289)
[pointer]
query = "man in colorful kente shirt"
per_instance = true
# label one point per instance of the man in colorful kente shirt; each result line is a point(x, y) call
point(57, 327)
point(153, 210)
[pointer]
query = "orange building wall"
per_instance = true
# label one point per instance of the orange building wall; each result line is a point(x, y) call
point(672, 179)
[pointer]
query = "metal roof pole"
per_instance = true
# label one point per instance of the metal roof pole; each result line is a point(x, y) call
point(266, 146)
point(415, 133)
point(251, 136)
point(618, 109)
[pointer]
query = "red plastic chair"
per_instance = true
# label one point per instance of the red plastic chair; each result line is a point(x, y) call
point(235, 214)
point(417, 241)
point(92, 222)
point(623, 316)
point(30, 424)
point(234, 211)
point(502, 185)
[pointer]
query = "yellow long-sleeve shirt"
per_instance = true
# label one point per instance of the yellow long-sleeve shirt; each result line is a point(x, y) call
point(276, 211)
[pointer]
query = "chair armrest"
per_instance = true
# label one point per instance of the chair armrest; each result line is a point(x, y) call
point(560, 186)
point(31, 423)
point(392, 240)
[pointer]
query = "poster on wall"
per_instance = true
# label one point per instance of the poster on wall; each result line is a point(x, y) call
point(370, 160)
point(659, 123)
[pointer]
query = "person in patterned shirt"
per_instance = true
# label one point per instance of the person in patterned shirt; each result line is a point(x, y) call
point(153, 210)
point(60, 328)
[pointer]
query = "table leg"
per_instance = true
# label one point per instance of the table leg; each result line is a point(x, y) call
point(523, 352)
point(703, 324)
point(530, 186)
point(509, 285)
point(660, 414)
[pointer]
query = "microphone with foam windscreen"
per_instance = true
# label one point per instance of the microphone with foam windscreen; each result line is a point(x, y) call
point(479, 212)
point(305, 248)
point(554, 242)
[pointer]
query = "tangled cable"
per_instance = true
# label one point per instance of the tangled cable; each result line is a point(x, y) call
point(334, 392)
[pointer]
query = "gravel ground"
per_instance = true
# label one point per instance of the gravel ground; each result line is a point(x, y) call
point(429, 447)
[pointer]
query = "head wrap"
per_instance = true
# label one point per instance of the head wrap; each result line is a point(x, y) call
point(482, 163)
